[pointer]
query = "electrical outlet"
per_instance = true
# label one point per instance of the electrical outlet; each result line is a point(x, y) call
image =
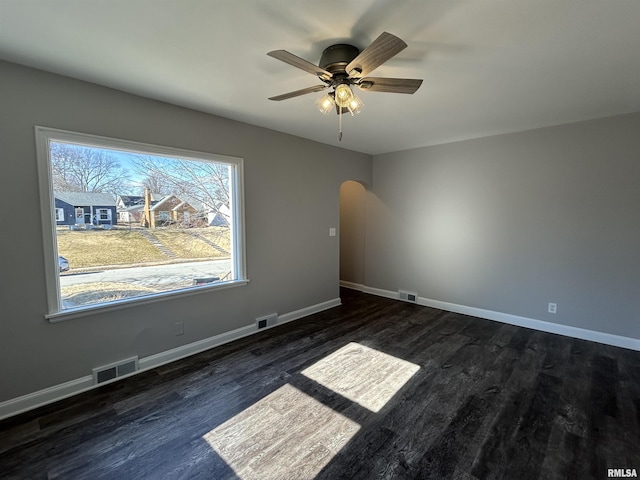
point(178, 328)
point(553, 308)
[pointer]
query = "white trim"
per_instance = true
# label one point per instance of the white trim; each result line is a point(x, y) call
point(541, 325)
point(353, 286)
point(183, 351)
point(48, 395)
point(49, 240)
point(100, 211)
point(236, 198)
point(305, 312)
point(37, 399)
point(86, 311)
point(381, 293)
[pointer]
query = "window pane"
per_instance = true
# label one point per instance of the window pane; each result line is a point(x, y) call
point(133, 224)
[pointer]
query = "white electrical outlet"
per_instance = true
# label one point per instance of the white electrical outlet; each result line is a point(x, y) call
point(178, 328)
point(332, 232)
point(553, 308)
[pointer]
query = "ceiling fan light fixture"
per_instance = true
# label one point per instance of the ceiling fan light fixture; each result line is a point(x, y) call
point(344, 95)
point(355, 105)
point(325, 104)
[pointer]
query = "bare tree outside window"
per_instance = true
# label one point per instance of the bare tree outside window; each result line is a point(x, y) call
point(84, 169)
point(206, 182)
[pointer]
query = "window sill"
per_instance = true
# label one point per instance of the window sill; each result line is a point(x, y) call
point(86, 311)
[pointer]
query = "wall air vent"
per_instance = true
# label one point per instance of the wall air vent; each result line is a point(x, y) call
point(115, 370)
point(407, 296)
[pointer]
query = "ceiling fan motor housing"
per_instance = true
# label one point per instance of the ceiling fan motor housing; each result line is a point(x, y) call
point(335, 58)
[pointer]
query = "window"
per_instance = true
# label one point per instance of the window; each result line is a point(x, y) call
point(104, 214)
point(181, 207)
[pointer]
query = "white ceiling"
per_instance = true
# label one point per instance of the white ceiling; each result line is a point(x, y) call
point(489, 66)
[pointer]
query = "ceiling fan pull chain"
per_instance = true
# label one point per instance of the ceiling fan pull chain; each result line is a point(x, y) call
point(339, 126)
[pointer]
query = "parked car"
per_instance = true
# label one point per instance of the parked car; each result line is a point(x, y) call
point(63, 263)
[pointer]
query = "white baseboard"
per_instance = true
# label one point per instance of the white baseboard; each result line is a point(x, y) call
point(381, 293)
point(305, 312)
point(352, 286)
point(541, 325)
point(42, 397)
point(184, 351)
point(52, 394)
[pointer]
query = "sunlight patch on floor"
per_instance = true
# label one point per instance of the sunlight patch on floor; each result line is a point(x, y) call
point(287, 431)
point(363, 375)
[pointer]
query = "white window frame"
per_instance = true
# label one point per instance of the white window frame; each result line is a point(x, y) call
point(59, 214)
point(104, 211)
point(44, 137)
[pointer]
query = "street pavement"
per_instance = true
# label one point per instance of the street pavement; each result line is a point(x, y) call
point(155, 276)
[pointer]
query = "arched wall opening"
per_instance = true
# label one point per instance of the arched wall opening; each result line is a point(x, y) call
point(353, 199)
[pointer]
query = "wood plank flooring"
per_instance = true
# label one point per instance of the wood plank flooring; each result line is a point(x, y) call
point(373, 389)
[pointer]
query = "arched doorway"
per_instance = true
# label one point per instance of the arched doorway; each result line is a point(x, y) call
point(352, 234)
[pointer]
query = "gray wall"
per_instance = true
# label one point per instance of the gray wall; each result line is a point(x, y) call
point(512, 222)
point(291, 200)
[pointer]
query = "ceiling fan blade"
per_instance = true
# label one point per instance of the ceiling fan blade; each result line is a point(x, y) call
point(381, 49)
point(392, 85)
point(297, 93)
point(300, 63)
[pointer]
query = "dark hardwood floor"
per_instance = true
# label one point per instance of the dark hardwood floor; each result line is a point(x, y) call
point(375, 388)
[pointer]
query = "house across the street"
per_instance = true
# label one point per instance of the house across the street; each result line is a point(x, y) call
point(85, 208)
point(131, 207)
point(168, 210)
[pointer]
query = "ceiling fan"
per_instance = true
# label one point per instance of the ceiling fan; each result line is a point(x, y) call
point(343, 66)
